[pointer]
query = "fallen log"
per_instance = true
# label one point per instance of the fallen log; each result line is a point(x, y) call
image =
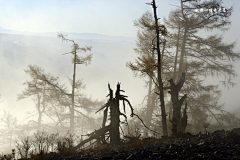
point(94, 135)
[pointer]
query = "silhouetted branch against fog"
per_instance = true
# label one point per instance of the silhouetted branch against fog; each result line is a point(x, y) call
point(75, 49)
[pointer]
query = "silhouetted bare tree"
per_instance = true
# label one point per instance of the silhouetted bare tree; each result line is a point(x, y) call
point(76, 60)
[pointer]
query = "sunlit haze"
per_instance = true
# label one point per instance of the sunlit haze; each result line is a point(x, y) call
point(105, 17)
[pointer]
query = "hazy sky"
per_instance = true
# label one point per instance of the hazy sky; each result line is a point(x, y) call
point(109, 17)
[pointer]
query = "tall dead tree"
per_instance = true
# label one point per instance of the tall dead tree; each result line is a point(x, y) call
point(147, 61)
point(160, 30)
point(113, 127)
point(177, 103)
point(76, 60)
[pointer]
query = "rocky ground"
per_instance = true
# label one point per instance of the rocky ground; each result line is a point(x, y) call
point(218, 145)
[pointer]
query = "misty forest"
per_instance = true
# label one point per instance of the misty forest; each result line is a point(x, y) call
point(171, 57)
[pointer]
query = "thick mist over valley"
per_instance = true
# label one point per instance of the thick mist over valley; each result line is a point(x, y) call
point(110, 54)
point(41, 42)
point(108, 65)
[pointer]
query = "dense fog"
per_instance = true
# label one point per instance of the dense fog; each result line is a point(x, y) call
point(19, 49)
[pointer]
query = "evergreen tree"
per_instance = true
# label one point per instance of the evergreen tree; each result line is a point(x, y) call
point(202, 57)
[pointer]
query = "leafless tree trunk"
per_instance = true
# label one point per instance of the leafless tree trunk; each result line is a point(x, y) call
point(150, 111)
point(73, 87)
point(174, 91)
point(40, 112)
point(113, 128)
point(176, 56)
point(184, 118)
point(148, 108)
point(115, 118)
point(76, 60)
point(159, 74)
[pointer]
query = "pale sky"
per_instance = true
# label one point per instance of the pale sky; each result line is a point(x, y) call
point(108, 17)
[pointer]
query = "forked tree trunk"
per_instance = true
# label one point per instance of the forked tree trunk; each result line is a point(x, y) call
point(113, 128)
point(174, 91)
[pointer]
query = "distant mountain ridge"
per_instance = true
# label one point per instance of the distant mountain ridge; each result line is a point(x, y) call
point(73, 35)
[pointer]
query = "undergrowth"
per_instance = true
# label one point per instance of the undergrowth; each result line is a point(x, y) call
point(43, 145)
